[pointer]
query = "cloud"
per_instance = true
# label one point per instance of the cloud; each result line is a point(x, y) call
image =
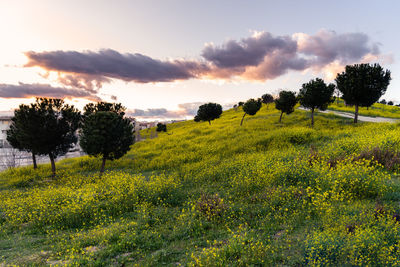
point(184, 111)
point(259, 57)
point(23, 90)
point(105, 64)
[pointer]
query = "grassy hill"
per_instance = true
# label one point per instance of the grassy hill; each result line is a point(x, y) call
point(213, 195)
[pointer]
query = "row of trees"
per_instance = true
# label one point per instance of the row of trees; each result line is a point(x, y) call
point(50, 127)
point(360, 85)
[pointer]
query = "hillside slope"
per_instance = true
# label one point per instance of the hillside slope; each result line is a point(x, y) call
point(209, 195)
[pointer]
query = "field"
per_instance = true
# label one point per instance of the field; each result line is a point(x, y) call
point(266, 193)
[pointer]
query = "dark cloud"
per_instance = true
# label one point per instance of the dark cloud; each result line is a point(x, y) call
point(23, 90)
point(248, 52)
point(262, 56)
point(112, 64)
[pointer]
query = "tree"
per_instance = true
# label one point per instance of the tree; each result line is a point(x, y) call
point(106, 134)
point(286, 102)
point(209, 112)
point(103, 106)
point(196, 118)
point(22, 132)
point(267, 99)
point(390, 103)
point(161, 127)
point(362, 85)
point(56, 126)
point(251, 107)
point(240, 103)
point(383, 101)
point(316, 95)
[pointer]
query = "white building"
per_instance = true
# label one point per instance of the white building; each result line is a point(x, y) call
point(5, 122)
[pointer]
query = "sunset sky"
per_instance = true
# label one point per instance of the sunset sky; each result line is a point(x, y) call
point(162, 59)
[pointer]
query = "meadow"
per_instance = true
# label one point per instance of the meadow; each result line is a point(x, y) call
point(263, 194)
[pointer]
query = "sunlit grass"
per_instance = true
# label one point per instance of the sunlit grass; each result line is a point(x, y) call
point(265, 193)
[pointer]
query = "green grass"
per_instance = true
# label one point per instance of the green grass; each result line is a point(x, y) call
point(376, 110)
point(266, 193)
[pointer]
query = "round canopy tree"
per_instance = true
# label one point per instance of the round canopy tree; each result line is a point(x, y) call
point(50, 128)
point(251, 107)
point(106, 134)
point(316, 95)
point(286, 102)
point(362, 85)
point(22, 132)
point(209, 112)
point(267, 99)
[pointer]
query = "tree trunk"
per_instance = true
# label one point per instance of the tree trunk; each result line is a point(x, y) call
point(242, 119)
point(312, 117)
point(34, 160)
point(209, 122)
point(53, 165)
point(280, 118)
point(103, 164)
point(356, 114)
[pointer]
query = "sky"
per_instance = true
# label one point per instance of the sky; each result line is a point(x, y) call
point(162, 59)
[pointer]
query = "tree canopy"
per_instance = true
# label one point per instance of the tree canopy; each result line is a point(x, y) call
point(316, 95)
point(251, 107)
point(267, 99)
point(103, 106)
point(22, 132)
point(161, 127)
point(286, 102)
point(106, 134)
point(46, 127)
point(209, 112)
point(362, 84)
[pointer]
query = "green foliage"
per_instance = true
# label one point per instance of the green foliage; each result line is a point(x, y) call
point(106, 134)
point(316, 95)
point(209, 112)
point(267, 99)
point(286, 102)
point(91, 108)
point(251, 107)
point(362, 84)
point(161, 127)
point(46, 127)
point(22, 133)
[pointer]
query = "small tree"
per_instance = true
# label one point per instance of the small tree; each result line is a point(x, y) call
point(251, 107)
point(286, 102)
point(316, 95)
point(50, 128)
point(209, 112)
point(161, 127)
point(383, 101)
point(57, 124)
point(390, 103)
point(362, 85)
point(267, 99)
point(22, 132)
point(240, 103)
point(106, 134)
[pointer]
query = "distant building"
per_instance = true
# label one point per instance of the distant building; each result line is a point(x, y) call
point(5, 122)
